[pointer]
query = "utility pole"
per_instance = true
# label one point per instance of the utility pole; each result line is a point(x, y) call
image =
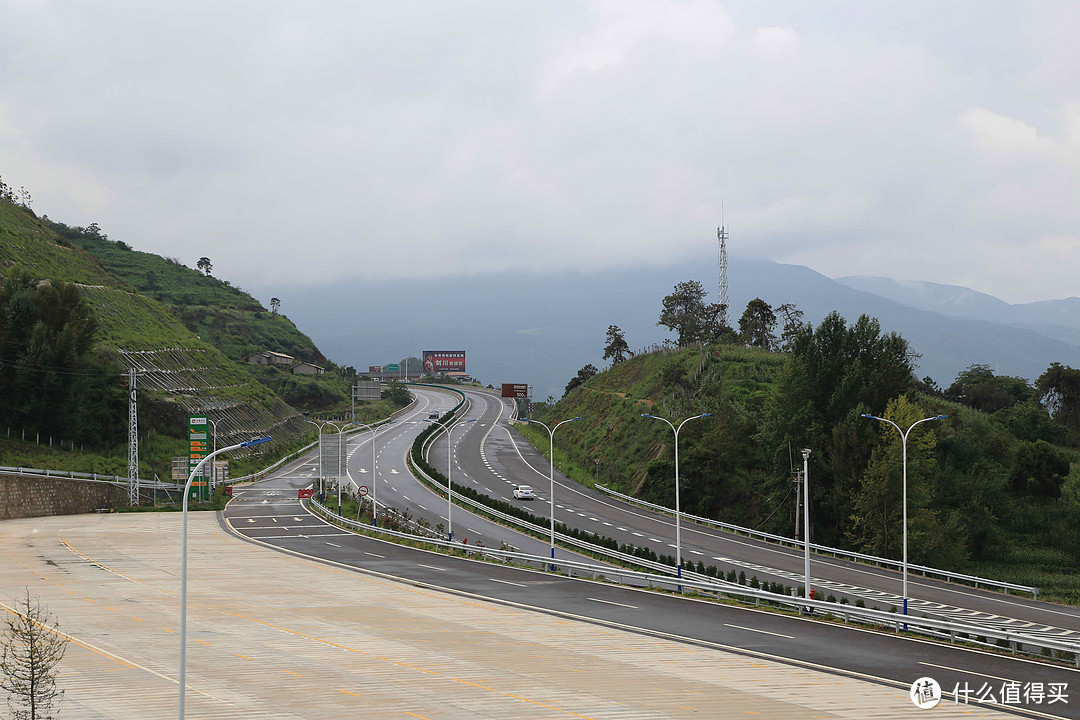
point(133, 442)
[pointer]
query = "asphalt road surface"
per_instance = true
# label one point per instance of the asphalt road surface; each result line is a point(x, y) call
point(269, 513)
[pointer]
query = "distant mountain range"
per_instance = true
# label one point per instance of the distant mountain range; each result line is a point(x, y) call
point(1054, 318)
point(541, 329)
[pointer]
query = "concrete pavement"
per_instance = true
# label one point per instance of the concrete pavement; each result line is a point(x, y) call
point(275, 636)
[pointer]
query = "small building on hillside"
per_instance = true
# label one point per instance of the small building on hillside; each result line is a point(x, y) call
point(269, 357)
point(306, 368)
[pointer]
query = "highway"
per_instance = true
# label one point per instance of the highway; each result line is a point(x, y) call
point(268, 513)
point(504, 458)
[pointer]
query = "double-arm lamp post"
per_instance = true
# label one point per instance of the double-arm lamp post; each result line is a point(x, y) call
point(903, 438)
point(551, 471)
point(343, 442)
point(447, 430)
point(678, 513)
point(183, 561)
point(374, 482)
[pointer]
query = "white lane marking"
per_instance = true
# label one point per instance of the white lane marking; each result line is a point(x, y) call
point(374, 554)
point(609, 602)
point(507, 582)
point(421, 507)
point(637, 534)
point(969, 671)
point(763, 632)
point(431, 567)
point(335, 545)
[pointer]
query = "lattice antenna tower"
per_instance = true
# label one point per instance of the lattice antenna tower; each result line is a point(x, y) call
point(721, 236)
point(133, 443)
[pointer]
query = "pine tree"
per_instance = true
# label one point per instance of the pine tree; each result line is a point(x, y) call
point(32, 648)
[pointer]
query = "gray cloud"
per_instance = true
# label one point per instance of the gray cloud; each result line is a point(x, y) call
point(299, 144)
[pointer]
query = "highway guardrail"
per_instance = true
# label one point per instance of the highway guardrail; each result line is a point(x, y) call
point(930, 626)
point(825, 549)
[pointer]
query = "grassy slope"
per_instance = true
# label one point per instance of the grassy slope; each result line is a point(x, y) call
point(228, 318)
point(188, 374)
point(669, 384)
point(27, 241)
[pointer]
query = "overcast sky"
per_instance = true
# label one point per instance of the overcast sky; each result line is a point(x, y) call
point(300, 143)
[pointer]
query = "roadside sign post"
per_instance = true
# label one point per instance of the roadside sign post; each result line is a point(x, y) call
point(361, 492)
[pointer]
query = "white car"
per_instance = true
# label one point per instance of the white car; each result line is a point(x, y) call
point(524, 492)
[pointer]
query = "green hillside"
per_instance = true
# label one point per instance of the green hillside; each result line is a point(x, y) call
point(994, 492)
point(30, 242)
point(227, 317)
point(64, 350)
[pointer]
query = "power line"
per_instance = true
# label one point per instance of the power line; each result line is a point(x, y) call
point(53, 369)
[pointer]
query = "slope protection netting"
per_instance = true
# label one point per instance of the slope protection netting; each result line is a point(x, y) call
point(187, 377)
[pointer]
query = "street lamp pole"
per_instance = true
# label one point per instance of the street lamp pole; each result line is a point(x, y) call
point(678, 513)
point(374, 482)
point(903, 440)
point(448, 429)
point(319, 426)
point(341, 451)
point(806, 517)
point(551, 475)
point(183, 562)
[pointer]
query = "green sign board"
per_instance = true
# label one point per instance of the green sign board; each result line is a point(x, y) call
point(198, 448)
point(393, 367)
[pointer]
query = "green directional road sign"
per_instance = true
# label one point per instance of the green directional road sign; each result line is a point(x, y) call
point(393, 367)
point(198, 448)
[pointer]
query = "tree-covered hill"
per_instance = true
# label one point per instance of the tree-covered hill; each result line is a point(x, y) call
point(994, 487)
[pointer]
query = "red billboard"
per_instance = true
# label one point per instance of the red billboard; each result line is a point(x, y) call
point(515, 390)
point(444, 361)
point(374, 368)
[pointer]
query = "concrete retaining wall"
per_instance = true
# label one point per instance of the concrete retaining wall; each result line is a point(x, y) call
point(22, 497)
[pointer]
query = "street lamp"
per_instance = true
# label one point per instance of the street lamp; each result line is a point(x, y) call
point(449, 469)
point(678, 525)
point(374, 483)
point(341, 451)
point(551, 498)
point(183, 562)
point(806, 517)
point(320, 426)
point(903, 438)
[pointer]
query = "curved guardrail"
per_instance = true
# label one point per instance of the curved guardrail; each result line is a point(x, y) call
point(930, 626)
point(825, 549)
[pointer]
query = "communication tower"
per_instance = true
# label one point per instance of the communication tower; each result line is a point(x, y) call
point(721, 236)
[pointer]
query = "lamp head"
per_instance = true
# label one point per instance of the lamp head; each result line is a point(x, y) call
point(256, 441)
